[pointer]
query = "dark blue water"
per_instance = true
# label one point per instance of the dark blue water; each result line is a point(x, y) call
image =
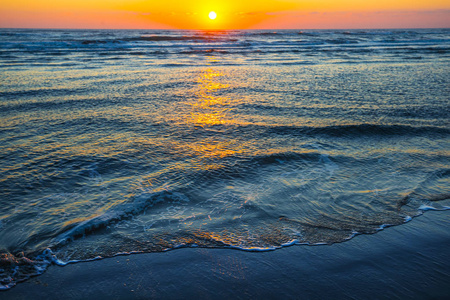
point(144, 141)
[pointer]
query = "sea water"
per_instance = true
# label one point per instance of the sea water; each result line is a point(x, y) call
point(129, 141)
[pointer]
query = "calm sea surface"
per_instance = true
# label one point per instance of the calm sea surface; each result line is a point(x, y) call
point(144, 141)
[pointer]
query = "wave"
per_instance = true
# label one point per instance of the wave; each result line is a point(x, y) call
point(170, 38)
point(143, 202)
point(207, 51)
point(247, 168)
point(122, 46)
point(271, 33)
point(162, 38)
point(16, 268)
point(36, 93)
point(359, 130)
point(121, 212)
point(89, 42)
point(342, 41)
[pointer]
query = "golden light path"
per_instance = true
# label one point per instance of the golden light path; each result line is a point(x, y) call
point(209, 108)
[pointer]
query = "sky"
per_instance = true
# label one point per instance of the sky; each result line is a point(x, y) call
point(231, 14)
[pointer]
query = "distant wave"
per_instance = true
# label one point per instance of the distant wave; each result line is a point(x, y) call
point(272, 33)
point(168, 38)
point(47, 47)
point(207, 51)
point(162, 38)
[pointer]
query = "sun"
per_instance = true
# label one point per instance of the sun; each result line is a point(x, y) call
point(212, 15)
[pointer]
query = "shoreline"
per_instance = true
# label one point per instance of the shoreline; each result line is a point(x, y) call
point(405, 261)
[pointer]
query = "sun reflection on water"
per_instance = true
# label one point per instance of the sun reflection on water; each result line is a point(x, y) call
point(209, 108)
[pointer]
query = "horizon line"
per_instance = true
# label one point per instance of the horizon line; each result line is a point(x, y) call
point(198, 29)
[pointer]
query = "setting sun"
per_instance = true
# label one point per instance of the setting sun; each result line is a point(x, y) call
point(212, 15)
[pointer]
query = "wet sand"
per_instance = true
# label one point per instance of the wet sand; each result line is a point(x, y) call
point(410, 261)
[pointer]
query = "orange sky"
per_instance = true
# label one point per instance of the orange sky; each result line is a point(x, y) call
point(231, 14)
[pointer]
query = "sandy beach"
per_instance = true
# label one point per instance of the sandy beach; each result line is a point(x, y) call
point(403, 262)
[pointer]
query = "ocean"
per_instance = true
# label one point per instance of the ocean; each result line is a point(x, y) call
point(134, 141)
